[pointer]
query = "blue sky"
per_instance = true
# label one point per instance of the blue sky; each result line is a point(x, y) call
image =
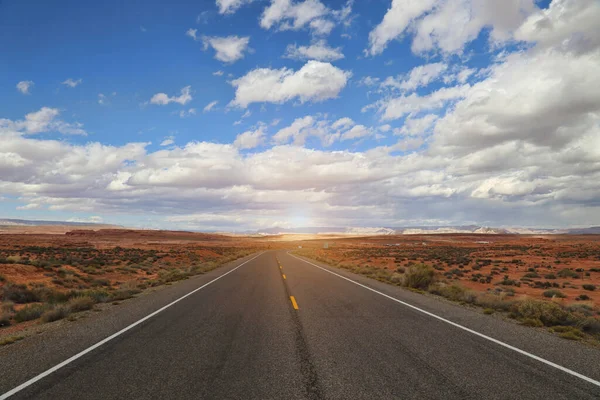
point(378, 113)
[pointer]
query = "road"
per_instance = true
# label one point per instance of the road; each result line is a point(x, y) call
point(278, 327)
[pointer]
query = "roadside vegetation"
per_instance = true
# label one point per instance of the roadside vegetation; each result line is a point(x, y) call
point(59, 282)
point(444, 271)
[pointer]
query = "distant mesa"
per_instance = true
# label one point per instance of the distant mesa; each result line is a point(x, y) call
point(26, 222)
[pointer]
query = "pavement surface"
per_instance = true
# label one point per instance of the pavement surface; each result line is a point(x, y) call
point(279, 327)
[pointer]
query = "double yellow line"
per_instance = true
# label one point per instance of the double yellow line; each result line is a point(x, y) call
point(292, 298)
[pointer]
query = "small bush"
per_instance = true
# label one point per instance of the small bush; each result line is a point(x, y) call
point(554, 293)
point(533, 322)
point(567, 273)
point(56, 313)
point(82, 303)
point(29, 313)
point(583, 297)
point(4, 320)
point(10, 340)
point(18, 294)
point(419, 276)
point(488, 311)
point(589, 287)
point(548, 313)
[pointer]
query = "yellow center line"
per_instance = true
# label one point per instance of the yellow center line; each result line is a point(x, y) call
point(280, 267)
point(294, 304)
point(284, 276)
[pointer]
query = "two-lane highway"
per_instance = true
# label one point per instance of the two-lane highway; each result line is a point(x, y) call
point(279, 327)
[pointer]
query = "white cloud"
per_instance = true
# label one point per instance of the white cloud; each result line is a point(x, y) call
point(419, 76)
point(311, 14)
point(394, 108)
point(218, 73)
point(25, 86)
point(168, 141)
point(318, 50)
point(417, 126)
point(567, 24)
point(44, 120)
point(448, 25)
point(193, 33)
point(250, 139)
point(315, 81)
point(230, 6)
point(102, 99)
point(210, 106)
point(356, 132)
point(228, 49)
point(318, 126)
point(342, 123)
point(72, 82)
point(164, 99)
point(395, 22)
point(188, 113)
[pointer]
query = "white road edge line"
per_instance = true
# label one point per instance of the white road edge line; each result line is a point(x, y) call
point(111, 337)
point(464, 328)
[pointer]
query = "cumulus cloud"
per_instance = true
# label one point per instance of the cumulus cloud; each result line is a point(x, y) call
point(566, 24)
point(164, 99)
point(230, 6)
point(315, 81)
point(169, 140)
point(320, 127)
point(311, 14)
point(448, 25)
point(251, 139)
point(398, 107)
point(419, 76)
point(72, 82)
point(25, 86)
point(395, 22)
point(44, 120)
point(318, 50)
point(417, 126)
point(228, 49)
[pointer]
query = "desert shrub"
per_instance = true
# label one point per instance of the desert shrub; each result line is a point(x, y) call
point(99, 296)
point(8, 307)
point(583, 297)
point(567, 273)
point(10, 340)
point(548, 313)
point(589, 287)
point(18, 294)
point(56, 313)
point(30, 312)
point(419, 276)
point(590, 325)
point(533, 322)
point(4, 320)
point(531, 274)
point(81, 303)
point(554, 293)
point(568, 332)
point(550, 276)
point(453, 292)
point(2, 278)
point(488, 311)
point(495, 302)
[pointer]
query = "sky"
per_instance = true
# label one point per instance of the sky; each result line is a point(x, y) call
point(246, 114)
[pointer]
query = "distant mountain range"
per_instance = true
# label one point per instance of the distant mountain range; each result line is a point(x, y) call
point(25, 222)
point(353, 231)
point(421, 230)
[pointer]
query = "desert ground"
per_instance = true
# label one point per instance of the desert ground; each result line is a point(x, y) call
point(54, 275)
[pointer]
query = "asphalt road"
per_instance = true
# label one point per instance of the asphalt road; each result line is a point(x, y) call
point(280, 328)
